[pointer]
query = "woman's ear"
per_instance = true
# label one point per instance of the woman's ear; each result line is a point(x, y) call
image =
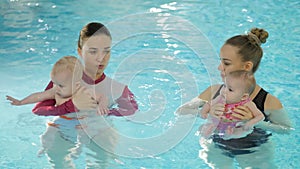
point(248, 66)
point(79, 52)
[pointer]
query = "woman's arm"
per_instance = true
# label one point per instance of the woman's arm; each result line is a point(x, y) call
point(126, 104)
point(257, 116)
point(192, 106)
point(272, 103)
point(279, 122)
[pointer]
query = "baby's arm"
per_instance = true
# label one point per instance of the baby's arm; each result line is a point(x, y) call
point(257, 116)
point(48, 108)
point(205, 110)
point(33, 98)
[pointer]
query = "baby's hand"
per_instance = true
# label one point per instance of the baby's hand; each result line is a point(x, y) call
point(14, 101)
point(229, 130)
point(236, 132)
point(204, 115)
point(206, 130)
point(230, 133)
point(102, 105)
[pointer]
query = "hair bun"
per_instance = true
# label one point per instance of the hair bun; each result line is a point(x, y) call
point(260, 34)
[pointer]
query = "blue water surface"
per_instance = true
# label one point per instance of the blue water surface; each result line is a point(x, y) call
point(166, 51)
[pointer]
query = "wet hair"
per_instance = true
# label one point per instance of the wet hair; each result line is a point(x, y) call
point(247, 78)
point(71, 64)
point(249, 45)
point(93, 28)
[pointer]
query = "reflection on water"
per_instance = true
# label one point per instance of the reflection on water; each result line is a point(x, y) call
point(66, 140)
point(34, 34)
point(256, 157)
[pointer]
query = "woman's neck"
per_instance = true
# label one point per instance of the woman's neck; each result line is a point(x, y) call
point(255, 91)
point(89, 80)
point(93, 75)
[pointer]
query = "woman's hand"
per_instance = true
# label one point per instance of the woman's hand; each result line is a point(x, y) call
point(102, 105)
point(84, 100)
point(242, 113)
point(217, 110)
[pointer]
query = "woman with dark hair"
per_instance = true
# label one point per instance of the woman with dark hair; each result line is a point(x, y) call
point(62, 142)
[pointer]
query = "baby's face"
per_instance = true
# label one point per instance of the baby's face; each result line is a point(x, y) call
point(63, 83)
point(233, 91)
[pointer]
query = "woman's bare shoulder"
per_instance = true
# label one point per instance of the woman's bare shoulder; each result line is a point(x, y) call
point(272, 103)
point(208, 93)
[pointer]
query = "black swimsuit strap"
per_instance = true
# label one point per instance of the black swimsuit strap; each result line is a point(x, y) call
point(259, 101)
point(218, 91)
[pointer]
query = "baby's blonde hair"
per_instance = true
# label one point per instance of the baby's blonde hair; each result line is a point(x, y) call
point(71, 64)
point(247, 78)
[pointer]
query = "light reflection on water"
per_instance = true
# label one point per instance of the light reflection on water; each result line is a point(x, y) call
point(35, 34)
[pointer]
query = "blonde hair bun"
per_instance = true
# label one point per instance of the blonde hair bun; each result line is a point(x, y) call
point(260, 34)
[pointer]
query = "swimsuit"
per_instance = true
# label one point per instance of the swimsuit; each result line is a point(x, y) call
point(66, 126)
point(227, 119)
point(90, 124)
point(256, 138)
point(120, 97)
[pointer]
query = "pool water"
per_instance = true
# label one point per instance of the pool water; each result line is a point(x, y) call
point(167, 52)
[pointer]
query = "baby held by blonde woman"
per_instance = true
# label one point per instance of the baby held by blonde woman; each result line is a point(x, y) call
point(235, 92)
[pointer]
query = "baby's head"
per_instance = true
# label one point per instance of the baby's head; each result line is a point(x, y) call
point(65, 73)
point(238, 86)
